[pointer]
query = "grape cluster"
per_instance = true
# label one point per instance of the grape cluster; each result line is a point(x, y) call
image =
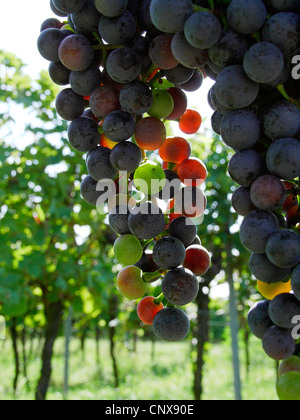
point(124, 67)
point(256, 111)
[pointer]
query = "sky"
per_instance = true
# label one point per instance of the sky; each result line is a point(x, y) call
point(19, 30)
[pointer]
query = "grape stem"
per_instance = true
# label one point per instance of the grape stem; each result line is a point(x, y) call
point(149, 277)
point(281, 89)
point(200, 9)
point(159, 299)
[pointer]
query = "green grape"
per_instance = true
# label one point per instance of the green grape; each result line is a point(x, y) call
point(163, 104)
point(128, 250)
point(150, 178)
point(288, 387)
point(130, 283)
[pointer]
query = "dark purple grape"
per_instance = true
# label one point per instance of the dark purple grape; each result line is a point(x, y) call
point(118, 30)
point(160, 52)
point(282, 310)
point(124, 65)
point(245, 167)
point(146, 221)
point(283, 158)
point(169, 253)
point(88, 17)
point(234, 89)
point(98, 164)
point(89, 191)
point(111, 8)
point(263, 270)
point(83, 134)
point(59, 74)
point(147, 264)
point(51, 23)
point(246, 16)
point(194, 83)
point(296, 281)
point(179, 75)
point(241, 201)
point(283, 248)
point(118, 220)
point(278, 343)
point(264, 62)
point(210, 31)
point(183, 229)
point(240, 129)
point(282, 119)
point(48, 43)
point(180, 286)
point(268, 193)
point(171, 187)
point(186, 54)
point(86, 81)
point(136, 98)
point(76, 53)
point(170, 15)
point(119, 126)
point(126, 156)
point(69, 105)
point(256, 229)
point(69, 6)
point(216, 121)
point(259, 320)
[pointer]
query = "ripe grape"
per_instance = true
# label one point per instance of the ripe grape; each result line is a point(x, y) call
point(89, 191)
point(104, 100)
point(170, 15)
point(263, 270)
point(190, 202)
point(180, 286)
point(241, 201)
point(48, 43)
point(186, 54)
point(146, 221)
point(117, 30)
point(86, 81)
point(259, 320)
point(128, 249)
point(240, 129)
point(175, 150)
point(69, 105)
point(194, 83)
point(126, 156)
point(59, 74)
point(111, 8)
point(246, 16)
point(268, 193)
point(264, 62)
point(147, 309)
point(180, 103)
point(257, 227)
point(130, 283)
point(192, 172)
point(83, 134)
point(119, 126)
point(171, 324)
point(209, 34)
point(169, 252)
point(87, 19)
point(280, 120)
point(283, 248)
point(136, 98)
point(278, 343)
point(161, 53)
point(118, 219)
point(283, 158)
point(69, 6)
point(76, 52)
point(124, 65)
point(197, 259)
point(283, 308)
point(147, 264)
point(234, 89)
point(245, 167)
point(183, 229)
point(150, 133)
point(172, 186)
point(98, 164)
point(190, 122)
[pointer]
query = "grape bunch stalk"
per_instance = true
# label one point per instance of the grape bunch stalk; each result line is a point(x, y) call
point(123, 77)
point(256, 102)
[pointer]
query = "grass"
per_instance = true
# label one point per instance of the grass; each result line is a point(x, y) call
point(169, 377)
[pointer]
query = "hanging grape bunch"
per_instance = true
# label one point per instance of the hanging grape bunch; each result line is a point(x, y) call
point(256, 102)
point(123, 77)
